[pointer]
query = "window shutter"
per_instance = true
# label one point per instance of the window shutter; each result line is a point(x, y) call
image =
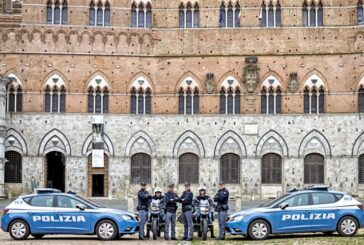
point(188, 168)
point(230, 18)
point(140, 168)
point(55, 100)
point(181, 101)
point(314, 169)
point(222, 101)
point(306, 101)
point(196, 102)
point(91, 16)
point(140, 102)
point(188, 102)
point(107, 14)
point(230, 168)
point(47, 100)
point(271, 169)
point(237, 15)
point(105, 102)
point(141, 16)
point(90, 107)
point(98, 101)
point(64, 13)
point(237, 101)
point(11, 100)
point(133, 16)
point(230, 100)
point(278, 101)
point(63, 100)
point(271, 102)
point(263, 102)
point(322, 101)
point(148, 102)
point(133, 102)
point(19, 100)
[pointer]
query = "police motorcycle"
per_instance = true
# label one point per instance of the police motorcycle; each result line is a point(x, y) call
point(156, 215)
point(203, 214)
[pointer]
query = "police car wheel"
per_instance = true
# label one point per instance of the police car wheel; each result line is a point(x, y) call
point(259, 230)
point(19, 230)
point(347, 226)
point(106, 230)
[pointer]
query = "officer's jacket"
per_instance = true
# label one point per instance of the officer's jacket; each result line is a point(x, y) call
point(143, 200)
point(196, 201)
point(222, 198)
point(186, 200)
point(170, 200)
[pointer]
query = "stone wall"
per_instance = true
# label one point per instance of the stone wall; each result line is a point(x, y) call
point(339, 137)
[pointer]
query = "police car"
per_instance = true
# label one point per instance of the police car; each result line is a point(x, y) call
point(315, 209)
point(62, 213)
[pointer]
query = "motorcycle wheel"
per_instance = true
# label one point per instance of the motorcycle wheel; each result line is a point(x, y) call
point(205, 227)
point(155, 229)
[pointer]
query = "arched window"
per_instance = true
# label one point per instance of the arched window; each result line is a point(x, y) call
point(230, 168)
point(360, 13)
point(7, 6)
point(271, 169)
point(361, 99)
point(13, 167)
point(229, 15)
point(314, 95)
point(64, 13)
point(270, 15)
point(134, 19)
point(99, 14)
point(361, 169)
point(314, 169)
point(230, 96)
point(57, 13)
point(188, 97)
point(92, 16)
point(107, 14)
point(55, 95)
point(271, 96)
point(49, 12)
point(189, 17)
point(312, 15)
point(141, 15)
point(141, 170)
point(14, 97)
point(140, 97)
point(98, 95)
point(188, 168)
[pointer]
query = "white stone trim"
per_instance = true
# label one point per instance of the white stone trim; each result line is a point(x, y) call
point(311, 85)
point(140, 142)
point(55, 81)
point(188, 83)
point(230, 82)
point(228, 138)
point(16, 83)
point(184, 144)
point(15, 141)
point(272, 142)
point(87, 145)
point(54, 135)
point(267, 84)
point(358, 146)
point(140, 83)
point(314, 142)
point(102, 83)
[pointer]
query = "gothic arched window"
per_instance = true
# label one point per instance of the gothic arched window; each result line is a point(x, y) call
point(312, 15)
point(141, 15)
point(98, 95)
point(314, 95)
point(14, 98)
point(361, 99)
point(270, 15)
point(271, 96)
point(140, 97)
point(360, 13)
point(189, 16)
point(55, 95)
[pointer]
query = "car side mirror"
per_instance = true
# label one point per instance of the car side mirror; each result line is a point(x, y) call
point(81, 207)
point(283, 205)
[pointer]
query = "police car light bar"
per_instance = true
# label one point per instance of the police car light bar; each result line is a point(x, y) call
point(317, 188)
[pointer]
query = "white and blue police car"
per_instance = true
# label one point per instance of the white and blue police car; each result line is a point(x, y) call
point(315, 209)
point(62, 213)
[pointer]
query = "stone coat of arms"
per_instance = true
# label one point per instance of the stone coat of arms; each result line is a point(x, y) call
point(293, 82)
point(210, 83)
point(251, 74)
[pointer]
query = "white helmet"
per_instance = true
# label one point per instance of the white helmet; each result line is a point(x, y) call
point(202, 187)
point(157, 190)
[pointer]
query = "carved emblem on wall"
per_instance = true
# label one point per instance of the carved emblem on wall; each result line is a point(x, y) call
point(210, 83)
point(293, 82)
point(251, 74)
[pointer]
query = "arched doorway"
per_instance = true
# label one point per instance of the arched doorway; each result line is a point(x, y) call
point(98, 178)
point(55, 170)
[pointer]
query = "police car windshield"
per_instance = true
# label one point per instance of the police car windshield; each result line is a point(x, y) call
point(274, 201)
point(89, 202)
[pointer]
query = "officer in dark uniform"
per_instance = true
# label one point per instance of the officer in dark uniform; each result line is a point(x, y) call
point(143, 204)
point(222, 198)
point(170, 200)
point(186, 200)
point(196, 203)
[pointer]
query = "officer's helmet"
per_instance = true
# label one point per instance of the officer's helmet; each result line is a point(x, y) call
point(202, 188)
point(157, 190)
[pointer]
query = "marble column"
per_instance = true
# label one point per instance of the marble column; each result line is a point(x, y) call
point(3, 83)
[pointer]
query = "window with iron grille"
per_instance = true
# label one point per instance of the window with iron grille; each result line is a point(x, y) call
point(188, 168)
point(13, 167)
point(230, 168)
point(140, 168)
point(314, 169)
point(361, 169)
point(271, 169)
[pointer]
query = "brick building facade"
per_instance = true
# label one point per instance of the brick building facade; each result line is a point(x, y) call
point(266, 95)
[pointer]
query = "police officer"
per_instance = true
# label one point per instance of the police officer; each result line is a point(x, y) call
point(222, 198)
point(143, 204)
point(170, 200)
point(158, 196)
point(186, 200)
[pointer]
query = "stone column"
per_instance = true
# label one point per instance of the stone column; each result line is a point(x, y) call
point(3, 82)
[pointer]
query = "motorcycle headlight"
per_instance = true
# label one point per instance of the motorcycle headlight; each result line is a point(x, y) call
point(237, 218)
point(154, 208)
point(126, 217)
point(204, 209)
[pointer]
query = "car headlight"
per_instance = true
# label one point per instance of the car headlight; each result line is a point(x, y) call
point(237, 218)
point(126, 217)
